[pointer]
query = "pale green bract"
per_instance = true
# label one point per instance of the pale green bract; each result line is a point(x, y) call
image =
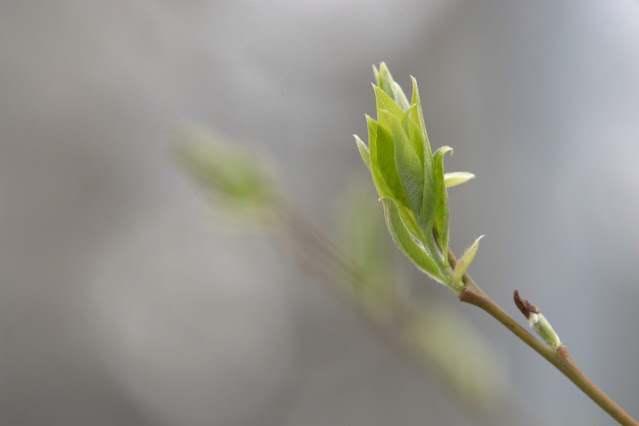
point(411, 182)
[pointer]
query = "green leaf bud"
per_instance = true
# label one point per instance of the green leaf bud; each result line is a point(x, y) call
point(409, 178)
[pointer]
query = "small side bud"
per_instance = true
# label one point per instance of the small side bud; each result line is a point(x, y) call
point(537, 321)
point(545, 331)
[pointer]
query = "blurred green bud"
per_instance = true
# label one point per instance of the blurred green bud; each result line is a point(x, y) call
point(409, 177)
point(362, 236)
point(228, 172)
point(472, 366)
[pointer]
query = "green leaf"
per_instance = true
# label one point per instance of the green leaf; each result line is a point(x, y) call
point(418, 115)
point(378, 179)
point(408, 165)
point(441, 208)
point(457, 178)
point(414, 133)
point(384, 79)
point(429, 200)
point(399, 96)
point(363, 151)
point(406, 243)
point(372, 129)
point(385, 102)
point(386, 82)
point(411, 224)
point(384, 157)
point(465, 261)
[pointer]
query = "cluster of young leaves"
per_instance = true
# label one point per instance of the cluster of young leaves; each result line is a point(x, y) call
point(411, 182)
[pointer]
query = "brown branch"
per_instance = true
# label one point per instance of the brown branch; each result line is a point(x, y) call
point(560, 358)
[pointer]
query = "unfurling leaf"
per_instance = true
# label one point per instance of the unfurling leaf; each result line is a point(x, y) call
point(465, 261)
point(441, 208)
point(406, 243)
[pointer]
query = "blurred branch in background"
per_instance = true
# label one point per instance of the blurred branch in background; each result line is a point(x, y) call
point(359, 269)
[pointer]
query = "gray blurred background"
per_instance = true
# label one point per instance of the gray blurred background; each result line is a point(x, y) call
point(123, 304)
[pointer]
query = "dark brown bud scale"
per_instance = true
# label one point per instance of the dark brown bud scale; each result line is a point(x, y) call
point(524, 306)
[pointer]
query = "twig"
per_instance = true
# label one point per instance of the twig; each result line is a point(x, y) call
point(560, 357)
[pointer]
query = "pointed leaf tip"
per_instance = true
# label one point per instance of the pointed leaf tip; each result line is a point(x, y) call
point(443, 150)
point(465, 261)
point(384, 102)
point(399, 96)
point(386, 82)
point(457, 178)
point(363, 151)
